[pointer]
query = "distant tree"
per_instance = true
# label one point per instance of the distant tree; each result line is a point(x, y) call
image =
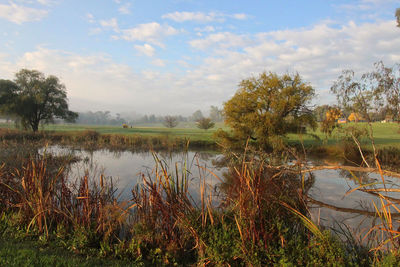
point(356, 94)
point(266, 108)
point(387, 82)
point(370, 93)
point(34, 99)
point(197, 115)
point(397, 14)
point(205, 124)
point(170, 121)
point(100, 118)
point(152, 118)
point(331, 121)
point(365, 95)
point(215, 114)
point(320, 112)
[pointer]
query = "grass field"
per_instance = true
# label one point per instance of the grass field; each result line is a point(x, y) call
point(187, 130)
point(385, 134)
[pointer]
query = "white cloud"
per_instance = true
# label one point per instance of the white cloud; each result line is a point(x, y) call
point(95, 31)
point(205, 29)
point(111, 23)
point(46, 2)
point(194, 16)
point(20, 14)
point(125, 9)
point(150, 32)
point(219, 40)
point(158, 62)
point(240, 16)
point(370, 9)
point(146, 49)
point(318, 53)
point(90, 18)
point(201, 17)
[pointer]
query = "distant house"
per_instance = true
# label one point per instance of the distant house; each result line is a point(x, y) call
point(342, 120)
point(388, 119)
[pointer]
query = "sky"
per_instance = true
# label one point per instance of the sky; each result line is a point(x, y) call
point(177, 56)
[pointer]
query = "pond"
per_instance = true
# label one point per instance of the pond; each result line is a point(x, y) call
point(331, 202)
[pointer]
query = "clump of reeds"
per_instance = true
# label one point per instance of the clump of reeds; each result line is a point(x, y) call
point(46, 200)
point(166, 214)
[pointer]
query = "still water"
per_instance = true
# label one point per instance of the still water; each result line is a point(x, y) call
point(331, 202)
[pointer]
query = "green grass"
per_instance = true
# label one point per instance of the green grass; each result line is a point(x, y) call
point(187, 130)
point(385, 134)
point(30, 253)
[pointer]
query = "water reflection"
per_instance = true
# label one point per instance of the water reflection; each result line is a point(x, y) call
point(335, 204)
point(126, 167)
point(330, 201)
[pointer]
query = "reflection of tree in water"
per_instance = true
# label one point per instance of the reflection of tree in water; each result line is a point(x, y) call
point(358, 177)
point(221, 161)
point(277, 184)
point(206, 156)
point(362, 210)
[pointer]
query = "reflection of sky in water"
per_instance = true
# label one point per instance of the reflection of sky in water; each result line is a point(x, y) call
point(126, 167)
point(330, 186)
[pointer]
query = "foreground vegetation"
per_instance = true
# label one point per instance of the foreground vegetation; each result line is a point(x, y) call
point(262, 218)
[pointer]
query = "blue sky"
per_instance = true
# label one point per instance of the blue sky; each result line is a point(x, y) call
point(174, 57)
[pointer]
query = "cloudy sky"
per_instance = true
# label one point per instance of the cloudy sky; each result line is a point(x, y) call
point(177, 56)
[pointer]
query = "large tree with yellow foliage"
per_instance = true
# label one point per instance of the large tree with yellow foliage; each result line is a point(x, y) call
point(331, 120)
point(267, 107)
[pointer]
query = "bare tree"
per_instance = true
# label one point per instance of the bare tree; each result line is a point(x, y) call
point(170, 121)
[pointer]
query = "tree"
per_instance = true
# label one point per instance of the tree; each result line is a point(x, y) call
point(364, 94)
point(215, 114)
point(331, 121)
point(321, 111)
point(34, 99)
point(267, 107)
point(387, 81)
point(7, 95)
point(205, 124)
point(197, 115)
point(355, 117)
point(356, 94)
point(170, 121)
point(397, 14)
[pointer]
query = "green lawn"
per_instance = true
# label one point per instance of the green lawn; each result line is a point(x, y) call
point(385, 134)
point(187, 130)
